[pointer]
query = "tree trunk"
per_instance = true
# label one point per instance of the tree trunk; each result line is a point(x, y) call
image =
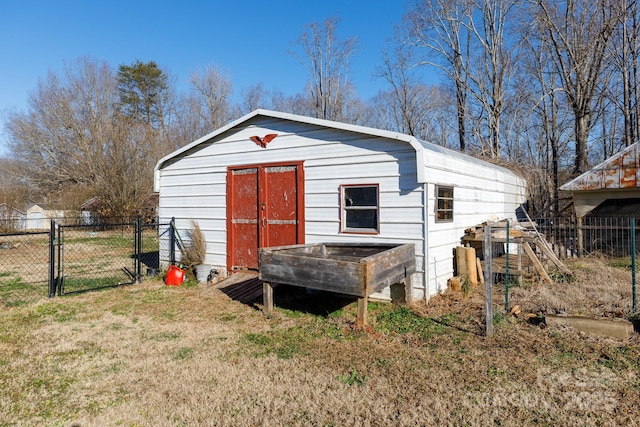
point(495, 134)
point(581, 135)
point(626, 87)
point(634, 76)
point(555, 156)
point(462, 112)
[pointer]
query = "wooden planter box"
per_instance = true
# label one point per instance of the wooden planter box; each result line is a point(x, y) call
point(356, 269)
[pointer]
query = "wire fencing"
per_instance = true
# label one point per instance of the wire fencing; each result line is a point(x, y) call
point(95, 256)
point(510, 254)
point(573, 237)
point(155, 250)
point(24, 267)
point(75, 257)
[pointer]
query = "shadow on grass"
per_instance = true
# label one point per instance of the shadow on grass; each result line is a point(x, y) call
point(310, 301)
point(248, 290)
point(78, 285)
point(449, 324)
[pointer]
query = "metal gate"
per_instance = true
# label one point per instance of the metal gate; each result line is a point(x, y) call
point(90, 257)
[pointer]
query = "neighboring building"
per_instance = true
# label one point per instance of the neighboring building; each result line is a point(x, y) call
point(90, 211)
point(611, 188)
point(271, 179)
point(605, 198)
point(93, 210)
point(38, 216)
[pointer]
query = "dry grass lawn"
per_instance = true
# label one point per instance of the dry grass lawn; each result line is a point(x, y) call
point(149, 355)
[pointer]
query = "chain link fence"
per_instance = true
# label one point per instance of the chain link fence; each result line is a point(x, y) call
point(24, 267)
point(73, 257)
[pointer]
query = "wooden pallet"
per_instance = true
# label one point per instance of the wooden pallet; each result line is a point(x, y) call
point(243, 287)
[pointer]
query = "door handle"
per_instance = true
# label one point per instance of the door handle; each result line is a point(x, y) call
point(264, 221)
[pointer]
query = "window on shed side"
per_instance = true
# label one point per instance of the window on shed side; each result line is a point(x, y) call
point(444, 203)
point(360, 208)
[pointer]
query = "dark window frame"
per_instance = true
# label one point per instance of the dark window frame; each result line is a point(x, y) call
point(346, 209)
point(444, 205)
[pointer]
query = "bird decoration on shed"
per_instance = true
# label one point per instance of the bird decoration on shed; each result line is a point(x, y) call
point(262, 142)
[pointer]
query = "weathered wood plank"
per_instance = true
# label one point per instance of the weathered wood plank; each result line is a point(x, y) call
point(267, 298)
point(470, 261)
point(461, 261)
point(536, 262)
point(395, 274)
point(552, 256)
point(389, 267)
point(408, 289)
point(321, 274)
point(479, 269)
point(361, 320)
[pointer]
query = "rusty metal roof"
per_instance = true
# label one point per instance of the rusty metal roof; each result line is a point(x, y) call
point(622, 170)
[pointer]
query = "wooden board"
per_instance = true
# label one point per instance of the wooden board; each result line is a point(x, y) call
point(549, 253)
point(480, 272)
point(461, 261)
point(536, 262)
point(472, 271)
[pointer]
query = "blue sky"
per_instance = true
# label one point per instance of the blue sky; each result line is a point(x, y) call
point(249, 40)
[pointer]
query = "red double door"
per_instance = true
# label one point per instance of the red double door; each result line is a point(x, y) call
point(265, 207)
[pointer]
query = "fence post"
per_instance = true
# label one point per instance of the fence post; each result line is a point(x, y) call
point(172, 241)
point(633, 265)
point(506, 275)
point(488, 281)
point(580, 236)
point(52, 259)
point(139, 250)
point(60, 275)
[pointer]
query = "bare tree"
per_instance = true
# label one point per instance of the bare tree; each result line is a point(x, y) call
point(327, 61)
point(492, 65)
point(633, 40)
point(214, 90)
point(549, 124)
point(625, 62)
point(409, 98)
point(59, 140)
point(73, 139)
point(190, 122)
point(253, 97)
point(13, 190)
point(441, 27)
point(579, 33)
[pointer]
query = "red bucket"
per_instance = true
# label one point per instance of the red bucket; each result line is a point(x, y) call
point(175, 276)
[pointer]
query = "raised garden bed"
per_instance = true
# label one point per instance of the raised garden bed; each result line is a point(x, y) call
point(355, 269)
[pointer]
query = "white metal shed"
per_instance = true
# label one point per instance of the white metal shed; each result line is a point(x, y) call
point(271, 178)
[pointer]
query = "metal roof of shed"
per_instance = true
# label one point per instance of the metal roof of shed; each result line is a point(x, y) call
point(620, 171)
point(419, 146)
